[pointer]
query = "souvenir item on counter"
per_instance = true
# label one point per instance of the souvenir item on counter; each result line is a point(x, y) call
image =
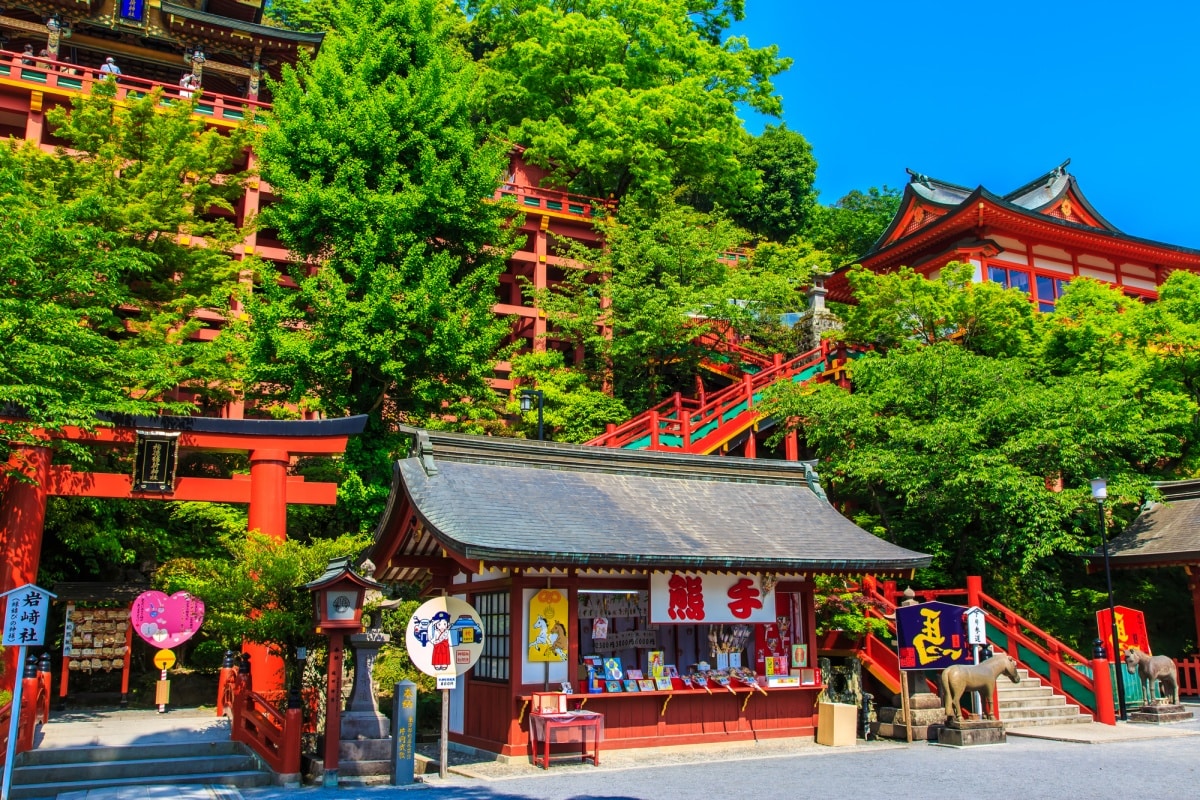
point(799, 655)
point(747, 677)
point(663, 684)
point(646, 685)
point(722, 679)
point(701, 681)
point(687, 680)
point(631, 686)
point(613, 686)
point(567, 688)
point(670, 671)
point(656, 663)
point(635, 674)
point(612, 668)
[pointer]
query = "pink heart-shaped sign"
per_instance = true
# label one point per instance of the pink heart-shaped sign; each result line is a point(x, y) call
point(166, 621)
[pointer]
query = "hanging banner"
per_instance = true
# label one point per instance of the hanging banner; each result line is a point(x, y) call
point(1131, 631)
point(706, 597)
point(548, 626)
point(164, 621)
point(931, 636)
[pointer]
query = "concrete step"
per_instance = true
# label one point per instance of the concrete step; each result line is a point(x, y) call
point(1038, 712)
point(98, 773)
point(1020, 693)
point(1038, 701)
point(50, 772)
point(1041, 721)
point(49, 790)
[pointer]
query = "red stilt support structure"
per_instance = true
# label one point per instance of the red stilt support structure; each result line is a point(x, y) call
point(22, 520)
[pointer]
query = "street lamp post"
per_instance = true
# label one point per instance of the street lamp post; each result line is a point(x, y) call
point(528, 396)
point(1100, 494)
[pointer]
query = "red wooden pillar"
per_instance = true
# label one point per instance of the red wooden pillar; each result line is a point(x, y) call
point(791, 447)
point(1193, 573)
point(22, 519)
point(333, 707)
point(974, 590)
point(751, 445)
point(268, 516)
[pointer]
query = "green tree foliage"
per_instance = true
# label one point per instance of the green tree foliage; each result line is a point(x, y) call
point(621, 96)
point(572, 409)
point(314, 16)
point(98, 281)
point(255, 591)
point(637, 306)
point(784, 200)
point(946, 443)
point(384, 182)
point(849, 227)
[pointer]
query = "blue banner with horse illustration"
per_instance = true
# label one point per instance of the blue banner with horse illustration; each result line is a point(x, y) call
point(931, 636)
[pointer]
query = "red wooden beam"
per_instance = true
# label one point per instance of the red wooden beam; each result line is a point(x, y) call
point(64, 482)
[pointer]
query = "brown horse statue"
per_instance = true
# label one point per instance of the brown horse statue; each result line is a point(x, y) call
point(1153, 669)
point(980, 678)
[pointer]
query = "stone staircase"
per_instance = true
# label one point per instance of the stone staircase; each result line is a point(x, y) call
point(1030, 703)
point(47, 773)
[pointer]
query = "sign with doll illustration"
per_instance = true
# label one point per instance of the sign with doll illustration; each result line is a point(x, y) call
point(548, 626)
point(444, 637)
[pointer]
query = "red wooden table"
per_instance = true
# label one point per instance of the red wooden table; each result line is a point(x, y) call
point(542, 727)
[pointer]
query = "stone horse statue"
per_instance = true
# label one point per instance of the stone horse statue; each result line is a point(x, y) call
point(1153, 669)
point(961, 678)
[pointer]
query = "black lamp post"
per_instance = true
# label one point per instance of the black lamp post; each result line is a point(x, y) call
point(527, 399)
point(1100, 494)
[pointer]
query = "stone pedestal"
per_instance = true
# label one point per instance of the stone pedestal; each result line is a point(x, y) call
point(927, 715)
point(969, 733)
point(1161, 714)
point(365, 749)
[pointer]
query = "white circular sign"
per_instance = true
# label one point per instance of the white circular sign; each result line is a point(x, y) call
point(444, 637)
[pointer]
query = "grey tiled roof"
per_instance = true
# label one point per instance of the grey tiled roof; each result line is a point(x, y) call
point(1165, 533)
point(516, 501)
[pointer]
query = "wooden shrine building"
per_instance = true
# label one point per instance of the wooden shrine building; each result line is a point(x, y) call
point(637, 558)
point(1035, 238)
point(1166, 534)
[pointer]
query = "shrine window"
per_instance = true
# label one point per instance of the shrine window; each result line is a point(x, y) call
point(1049, 289)
point(495, 661)
point(1008, 277)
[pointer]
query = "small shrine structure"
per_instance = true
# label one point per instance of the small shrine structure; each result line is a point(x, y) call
point(655, 563)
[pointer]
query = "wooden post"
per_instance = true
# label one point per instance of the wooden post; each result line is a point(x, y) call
point(905, 706)
point(444, 749)
point(333, 708)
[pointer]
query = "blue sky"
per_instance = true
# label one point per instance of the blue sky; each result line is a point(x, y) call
point(997, 94)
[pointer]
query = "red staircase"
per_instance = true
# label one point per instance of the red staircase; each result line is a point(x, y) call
point(684, 425)
point(1085, 683)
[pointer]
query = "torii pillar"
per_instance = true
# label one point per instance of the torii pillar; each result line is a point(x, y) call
point(268, 516)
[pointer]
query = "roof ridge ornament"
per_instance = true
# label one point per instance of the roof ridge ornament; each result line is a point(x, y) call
point(921, 178)
point(814, 480)
point(425, 452)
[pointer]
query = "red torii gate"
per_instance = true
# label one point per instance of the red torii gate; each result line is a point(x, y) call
point(268, 489)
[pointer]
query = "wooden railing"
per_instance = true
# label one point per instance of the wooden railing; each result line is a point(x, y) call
point(1084, 682)
point(539, 199)
point(673, 426)
point(46, 73)
point(1188, 670)
point(273, 735)
point(35, 707)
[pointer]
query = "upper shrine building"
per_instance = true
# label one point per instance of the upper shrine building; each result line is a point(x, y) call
point(1035, 238)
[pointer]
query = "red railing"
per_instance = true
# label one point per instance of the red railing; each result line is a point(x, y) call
point(739, 356)
point(47, 73)
point(1023, 641)
point(273, 735)
point(537, 198)
point(723, 415)
point(1188, 670)
point(35, 711)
